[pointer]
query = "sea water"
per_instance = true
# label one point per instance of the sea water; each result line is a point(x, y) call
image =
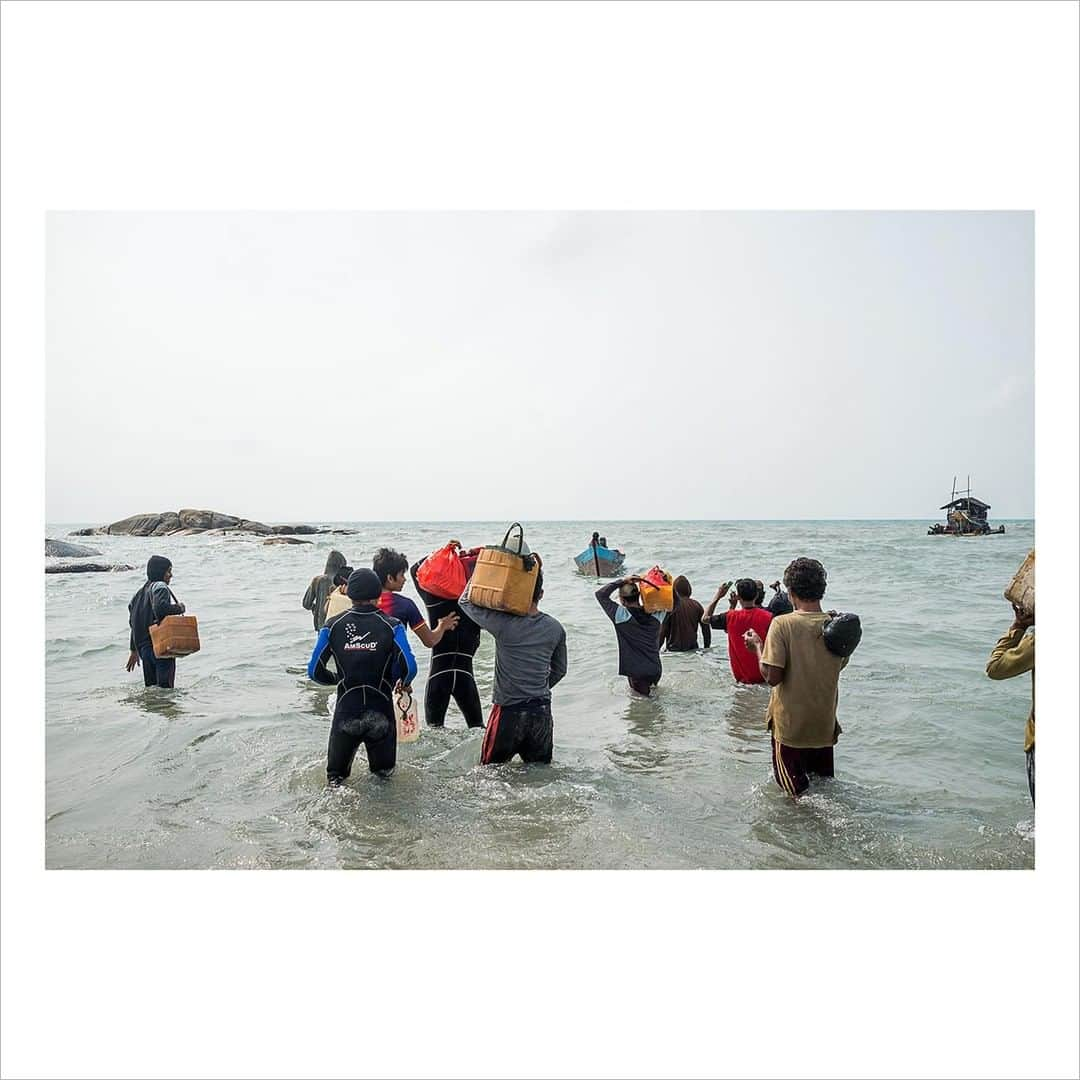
point(227, 770)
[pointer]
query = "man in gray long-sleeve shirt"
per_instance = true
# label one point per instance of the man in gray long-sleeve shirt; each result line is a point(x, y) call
point(530, 658)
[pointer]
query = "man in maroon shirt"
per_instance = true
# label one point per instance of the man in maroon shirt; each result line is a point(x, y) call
point(749, 615)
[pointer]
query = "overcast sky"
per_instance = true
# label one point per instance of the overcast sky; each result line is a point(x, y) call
point(528, 366)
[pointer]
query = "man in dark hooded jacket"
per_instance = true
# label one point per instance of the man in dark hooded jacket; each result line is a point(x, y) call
point(320, 588)
point(637, 631)
point(149, 606)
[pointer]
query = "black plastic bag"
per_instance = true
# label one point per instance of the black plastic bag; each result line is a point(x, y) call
point(842, 633)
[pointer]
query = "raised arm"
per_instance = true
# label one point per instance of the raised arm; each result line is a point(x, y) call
point(1013, 654)
point(603, 598)
point(706, 619)
point(489, 620)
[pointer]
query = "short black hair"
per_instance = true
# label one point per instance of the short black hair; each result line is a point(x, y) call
point(806, 579)
point(342, 576)
point(389, 563)
point(538, 588)
point(746, 588)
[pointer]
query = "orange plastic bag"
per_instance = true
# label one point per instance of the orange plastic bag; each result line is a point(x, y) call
point(443, 573)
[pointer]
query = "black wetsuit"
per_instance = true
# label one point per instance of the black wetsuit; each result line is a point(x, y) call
point(371, 654)
point(451, 672)
point(149, 606)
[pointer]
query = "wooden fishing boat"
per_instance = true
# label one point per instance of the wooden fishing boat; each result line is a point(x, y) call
point(597, 561)
point(964, 516)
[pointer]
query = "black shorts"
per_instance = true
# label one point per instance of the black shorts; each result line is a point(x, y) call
point(523, 728)
point(357, 722)
point(451, 676)
point(791, 765)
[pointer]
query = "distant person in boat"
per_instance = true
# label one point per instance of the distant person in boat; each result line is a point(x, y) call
point(1013, 655)
point(747, 615)
point(805, 680)
point(530, 659)
point(314, 599)
point(338, 602)
point(451, 672)
point(371, 656)
point(637, 632)
point(679, 630)
point(152, 603)
point(391, 567)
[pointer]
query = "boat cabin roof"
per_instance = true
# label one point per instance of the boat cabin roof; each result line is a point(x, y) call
point(966, 502)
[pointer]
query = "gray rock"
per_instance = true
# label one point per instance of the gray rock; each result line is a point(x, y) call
point(190, 522)
point(295, 530)
point(61, 550)
point(206, 519)
point(169, 523)
point(85, 568)
point(137, 525)
point(285, 540)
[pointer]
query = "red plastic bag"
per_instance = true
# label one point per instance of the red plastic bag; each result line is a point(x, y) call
point(657, 577)
point(443, 573)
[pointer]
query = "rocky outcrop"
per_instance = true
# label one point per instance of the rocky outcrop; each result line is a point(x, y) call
point(285, 540)
point(85, 568)
point(189, 522)
point(59, 549)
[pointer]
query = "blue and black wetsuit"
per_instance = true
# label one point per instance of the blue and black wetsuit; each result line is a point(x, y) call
point(371, 653)
point(451, 672)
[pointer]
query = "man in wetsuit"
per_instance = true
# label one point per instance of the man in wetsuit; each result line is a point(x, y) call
point(371, 653)
point(451, 671)
point(637, 632)
point(149, 606)
point(390, 567)
point(530, 658)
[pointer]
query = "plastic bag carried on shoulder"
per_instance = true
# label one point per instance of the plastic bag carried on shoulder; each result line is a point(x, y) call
point(842, 633)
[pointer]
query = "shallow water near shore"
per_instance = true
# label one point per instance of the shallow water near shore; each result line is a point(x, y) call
point(227, 770)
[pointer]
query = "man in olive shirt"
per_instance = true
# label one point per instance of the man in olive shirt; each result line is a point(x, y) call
point(805, 681)
point(1014, 654)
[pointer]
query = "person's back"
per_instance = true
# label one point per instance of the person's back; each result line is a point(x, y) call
point(530, 659)
point(805, 679)
point(680, 626)
point(637, 633)
point(802, 708)
point(736, 622)
point(314, 599)
point(153, 602)
point(451, 673)
point(371, 653)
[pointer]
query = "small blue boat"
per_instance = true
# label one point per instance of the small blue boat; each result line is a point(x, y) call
point(597, 561)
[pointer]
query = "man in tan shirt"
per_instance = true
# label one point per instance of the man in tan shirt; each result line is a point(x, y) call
point(1014, 654)
point(805, 678)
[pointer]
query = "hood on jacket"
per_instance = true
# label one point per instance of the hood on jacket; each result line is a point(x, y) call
point(157, 567)
point(682, 587)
